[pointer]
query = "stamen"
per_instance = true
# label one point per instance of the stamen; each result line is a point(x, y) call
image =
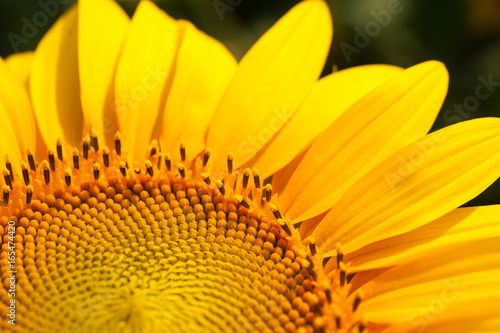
point(153, 151)
point(206, 156)
point(52, 160)
point(181, 169)
point(6, 193)
point(137, 171)
point(6, 177)
point(76, 158)
point(242, 201)
point(26, 175)
point(105, 156)
point(97, 168)
point(230, 163)
point(310, 268)
point(338, 321)
point(220, 186)
point(275, 211)
point(59, 150)
point(31, 159)
point(67, 176)
point(86, 147)
point(285, 226)
point(149, 168)
point(256, 178)
point(312, 248)
point(9, 167)
point(118, 143)
point(183, 152)
point(342, 274)
point(123, 168)
point(267, 192)
point(94, 141)
point(246, 176)
point(357, 300)
point(168, 161)
point(362, 326)
point(328, 294)
point(340, 256)
point(29, 194)
point(206, 178)
point(46, 172)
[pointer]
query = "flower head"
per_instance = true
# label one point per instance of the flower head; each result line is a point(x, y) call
point(152, 183)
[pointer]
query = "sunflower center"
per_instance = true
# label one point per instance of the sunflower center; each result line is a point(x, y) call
point(99, 247)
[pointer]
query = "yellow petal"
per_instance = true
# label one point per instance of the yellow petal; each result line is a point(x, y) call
point(280, 178)
point(487, 324)
point(143, 70)
point(329, 98)
point(271, 81)
point(16, 103)
point(384, 121)
point(20, 65)
point(457, 226)
point(203, 69)
point(54, 83)
point(9, 144)
point(419, 184)
point(102, 26)
point(454, 283)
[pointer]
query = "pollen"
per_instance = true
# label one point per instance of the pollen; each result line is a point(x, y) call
point(101, 248)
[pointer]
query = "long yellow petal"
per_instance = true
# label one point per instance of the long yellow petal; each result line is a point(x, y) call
point(455, 283)
point(329, 98)
point(465, 324)
point(271, 81)
point(9, 145)
point(54, 83)
point(20, 65)
point(457, 226)
point(415, 186)
point(203, 70)
point(142, 76)
point(16, 103)
point(102, 26)
point(390, 117)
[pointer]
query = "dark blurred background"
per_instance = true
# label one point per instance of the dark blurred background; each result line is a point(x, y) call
point(464, 34)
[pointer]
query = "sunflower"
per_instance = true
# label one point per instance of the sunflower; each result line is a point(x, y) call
point(153, 184)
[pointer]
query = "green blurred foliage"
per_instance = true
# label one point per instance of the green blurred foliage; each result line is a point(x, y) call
point(464, 34)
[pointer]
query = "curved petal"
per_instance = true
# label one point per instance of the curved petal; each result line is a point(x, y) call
point(16, 103)
point(102, 26)
point(55, 85)
point(457, 283)
point(384, 121)
point(419, 184)
point(459, 225)
point(20, 65)
point(143, 74)
point(271, 81)
point(203, 70)
point(329, 98)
